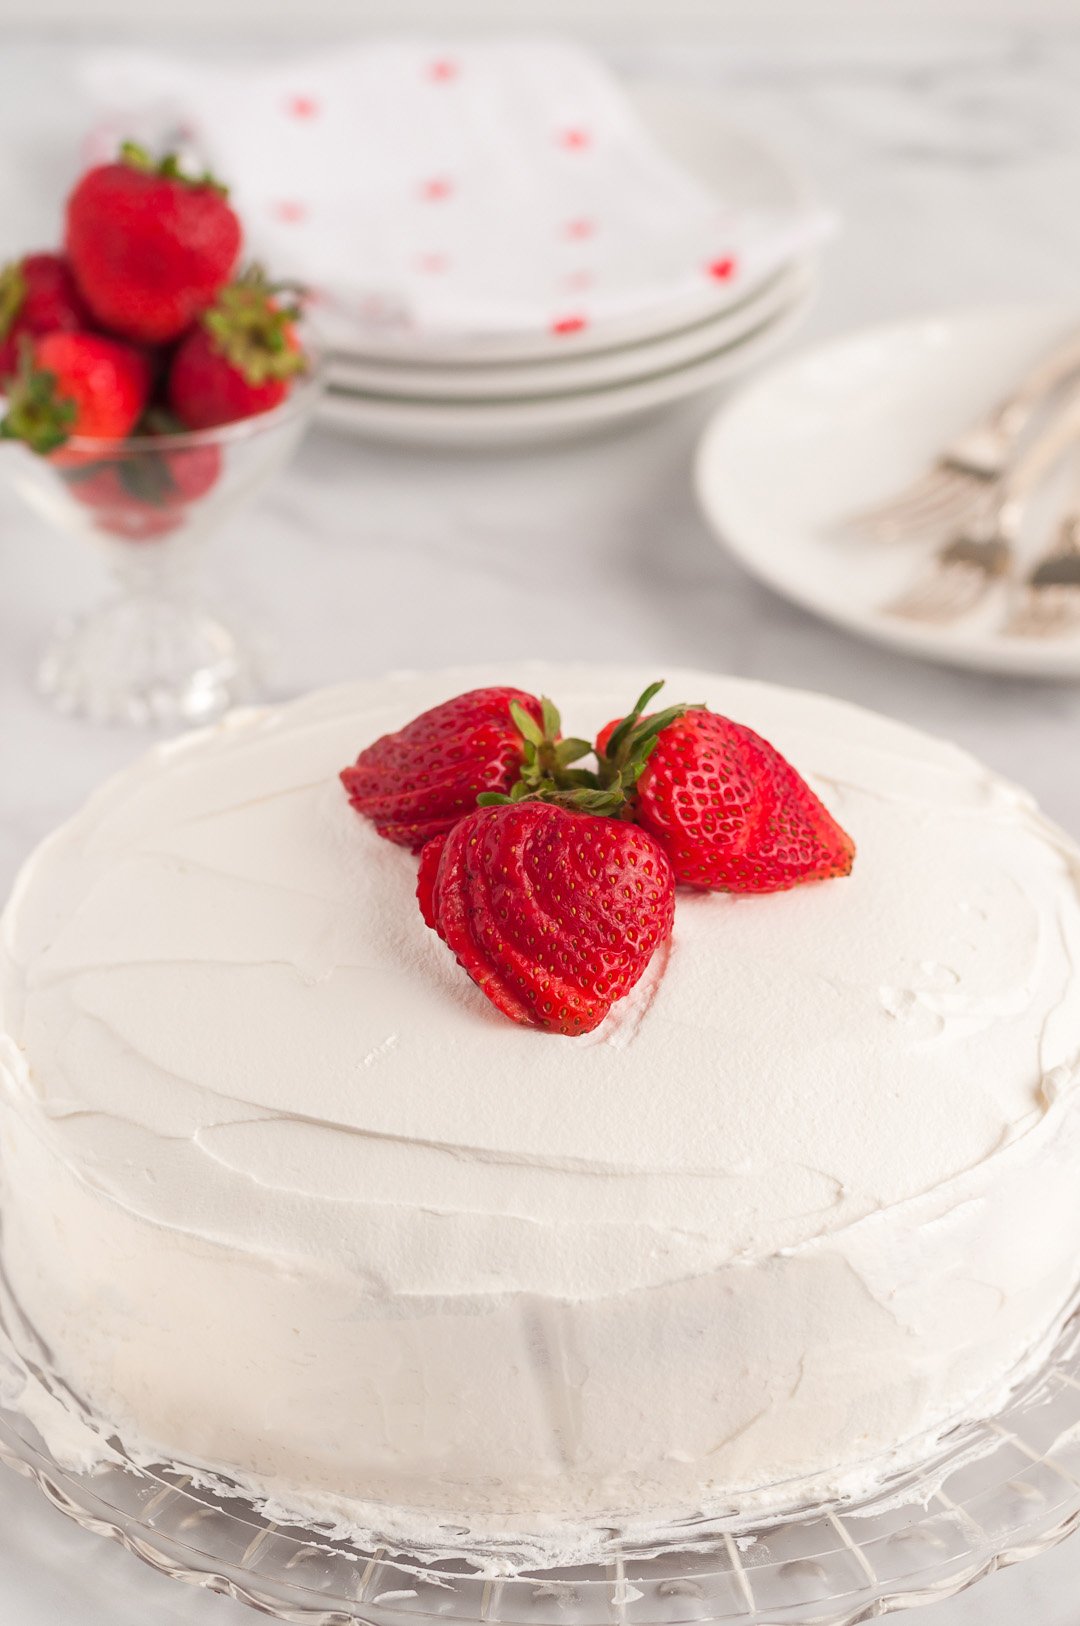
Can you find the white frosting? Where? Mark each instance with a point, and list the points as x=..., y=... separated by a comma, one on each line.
x=287, y=1196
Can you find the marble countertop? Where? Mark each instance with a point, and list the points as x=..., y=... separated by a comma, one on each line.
x=955, y=163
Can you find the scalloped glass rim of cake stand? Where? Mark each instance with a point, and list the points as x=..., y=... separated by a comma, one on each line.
x=999, y=1492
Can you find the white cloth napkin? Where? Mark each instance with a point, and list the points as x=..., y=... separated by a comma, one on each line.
x=483, y=189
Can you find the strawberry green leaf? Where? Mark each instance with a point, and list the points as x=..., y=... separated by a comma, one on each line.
x=649, y=694
x=253, y=332
x=159, y=420
x=169, y=168
x=37, y=413
x=630, y=721
x=653, y=727
x=604, y=802
x=551, y=719
x=148, y=478
x=12, y=294
x=568, y=751
x=528, y=727
x=78, y=472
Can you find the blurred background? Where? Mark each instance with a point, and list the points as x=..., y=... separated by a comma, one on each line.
x=620, y=17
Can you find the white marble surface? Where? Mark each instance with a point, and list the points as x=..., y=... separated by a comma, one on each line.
x=955, y=162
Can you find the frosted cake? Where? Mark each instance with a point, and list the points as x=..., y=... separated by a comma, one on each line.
x=287, y=1199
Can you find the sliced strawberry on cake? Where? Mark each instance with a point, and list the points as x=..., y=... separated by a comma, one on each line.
x=731, y=813
x=418, y=782
x=554, y=914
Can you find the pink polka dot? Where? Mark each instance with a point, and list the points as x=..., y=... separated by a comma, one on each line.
x=578, y=280
x=443, y=70
x=302, y=107
x=432, y=264
x=724, y=269
x=575, y=138
x=568, y=324
x=437, y=189
x=578, y=230
x=290, y=210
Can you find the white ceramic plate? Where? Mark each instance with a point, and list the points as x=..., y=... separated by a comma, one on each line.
x=849, y=423
x=483, y=423
x=558, y=376
x=732, y=162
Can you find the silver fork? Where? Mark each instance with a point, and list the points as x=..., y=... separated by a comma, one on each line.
x=967, y=566
x=962, y=573
x=1050, y=597
x=953, y=488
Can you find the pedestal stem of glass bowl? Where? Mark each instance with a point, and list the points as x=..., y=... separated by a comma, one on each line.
x=154, y=651
x=157, y=650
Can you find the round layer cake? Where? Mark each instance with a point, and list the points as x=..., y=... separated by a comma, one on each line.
x=286, y=1198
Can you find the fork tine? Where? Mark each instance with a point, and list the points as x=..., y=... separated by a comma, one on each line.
x=1069, y=620
x=951, y=511
x=1026, y=622
x=925, y=603
x=925, y=595
x=1049, y=601
x=893, y=510
x=1045, y=613
x=915, y=521
x=946, y=594
x=930, y=501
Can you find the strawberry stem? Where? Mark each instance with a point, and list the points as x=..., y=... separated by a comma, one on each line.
x=623, y=760
x=253, y=332
x=37, y=413
x=608, y=790
x=168, y=167
x=546, y=759
x=626, y=727
x=12, y=295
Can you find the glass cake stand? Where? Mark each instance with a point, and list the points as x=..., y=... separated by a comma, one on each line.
x=997, y=1492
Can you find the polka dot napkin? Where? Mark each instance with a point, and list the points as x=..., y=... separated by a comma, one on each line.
x=490, y=188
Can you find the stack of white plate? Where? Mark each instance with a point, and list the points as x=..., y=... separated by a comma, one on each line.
x=512, y=390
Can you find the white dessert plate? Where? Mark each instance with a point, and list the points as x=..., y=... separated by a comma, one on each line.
x=732, y=162
x=848, y=423
x=555, y=376
x=484, y=422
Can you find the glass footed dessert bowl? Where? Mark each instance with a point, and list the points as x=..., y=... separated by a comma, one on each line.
x=155, y=650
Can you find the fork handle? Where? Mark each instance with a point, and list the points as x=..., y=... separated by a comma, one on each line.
x=1011, y=416
x=986, y=447
x=1040, y=457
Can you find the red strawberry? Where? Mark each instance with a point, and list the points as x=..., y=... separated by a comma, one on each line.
x=193, y=471
x=37, y=295
x=117, y=511
x=149, y=246
x=419, y=782
x=729, y=811
x=75, y=384
x=145, y=494
x=239, y=360
x=176, y=474
x=553, y=913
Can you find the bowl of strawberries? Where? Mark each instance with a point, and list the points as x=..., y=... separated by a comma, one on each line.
x=151, y=385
